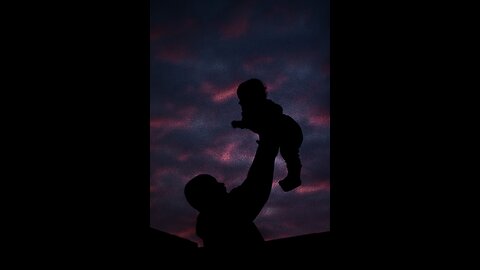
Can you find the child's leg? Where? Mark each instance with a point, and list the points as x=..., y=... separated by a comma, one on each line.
x=291, y=157
x=291, y=140
x=294, y=166
x=290, y=153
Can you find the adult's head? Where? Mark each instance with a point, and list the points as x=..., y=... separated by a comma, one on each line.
x=204, y=192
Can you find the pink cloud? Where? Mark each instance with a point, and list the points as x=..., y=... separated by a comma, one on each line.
x=184, y=157
x=321, y=186
x=157, y=185
x=220, y=94
x=238, y=24
x=226, y=154
x=175, y=54
x=277, y=83
x=188, y=233
x=207, y=87
x=180, y=119
x=225, y=95
x=233, y=148
x=161, y=172
x=169, y=123
x=319, y=120
x=235, y=28
x=270, y=211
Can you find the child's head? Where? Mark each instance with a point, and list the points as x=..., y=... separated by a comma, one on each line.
x=252, y=90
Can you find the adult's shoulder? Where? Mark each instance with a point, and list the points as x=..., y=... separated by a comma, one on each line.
x=238, y=196
x=235, y=192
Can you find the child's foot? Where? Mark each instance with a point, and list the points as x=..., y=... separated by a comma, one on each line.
x=290, y=183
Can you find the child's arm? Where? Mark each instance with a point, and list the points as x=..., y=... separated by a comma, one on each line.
x=249, y=119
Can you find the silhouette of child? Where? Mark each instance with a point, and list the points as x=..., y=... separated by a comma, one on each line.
x=263, y=116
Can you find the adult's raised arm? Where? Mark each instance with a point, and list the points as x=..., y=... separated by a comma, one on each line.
x=249, y=198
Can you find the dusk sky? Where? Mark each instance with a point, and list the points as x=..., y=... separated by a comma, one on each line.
x=200, y=51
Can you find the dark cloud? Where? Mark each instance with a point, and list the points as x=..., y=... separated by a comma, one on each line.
x=200, y=52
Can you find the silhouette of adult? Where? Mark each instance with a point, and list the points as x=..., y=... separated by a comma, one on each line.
x=225, y=220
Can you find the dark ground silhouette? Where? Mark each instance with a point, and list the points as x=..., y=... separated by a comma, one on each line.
x=313, y=248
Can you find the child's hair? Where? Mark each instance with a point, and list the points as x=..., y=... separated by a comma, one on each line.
x=252, y=89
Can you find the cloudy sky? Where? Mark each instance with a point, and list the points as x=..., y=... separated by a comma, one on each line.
x=200, y=51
